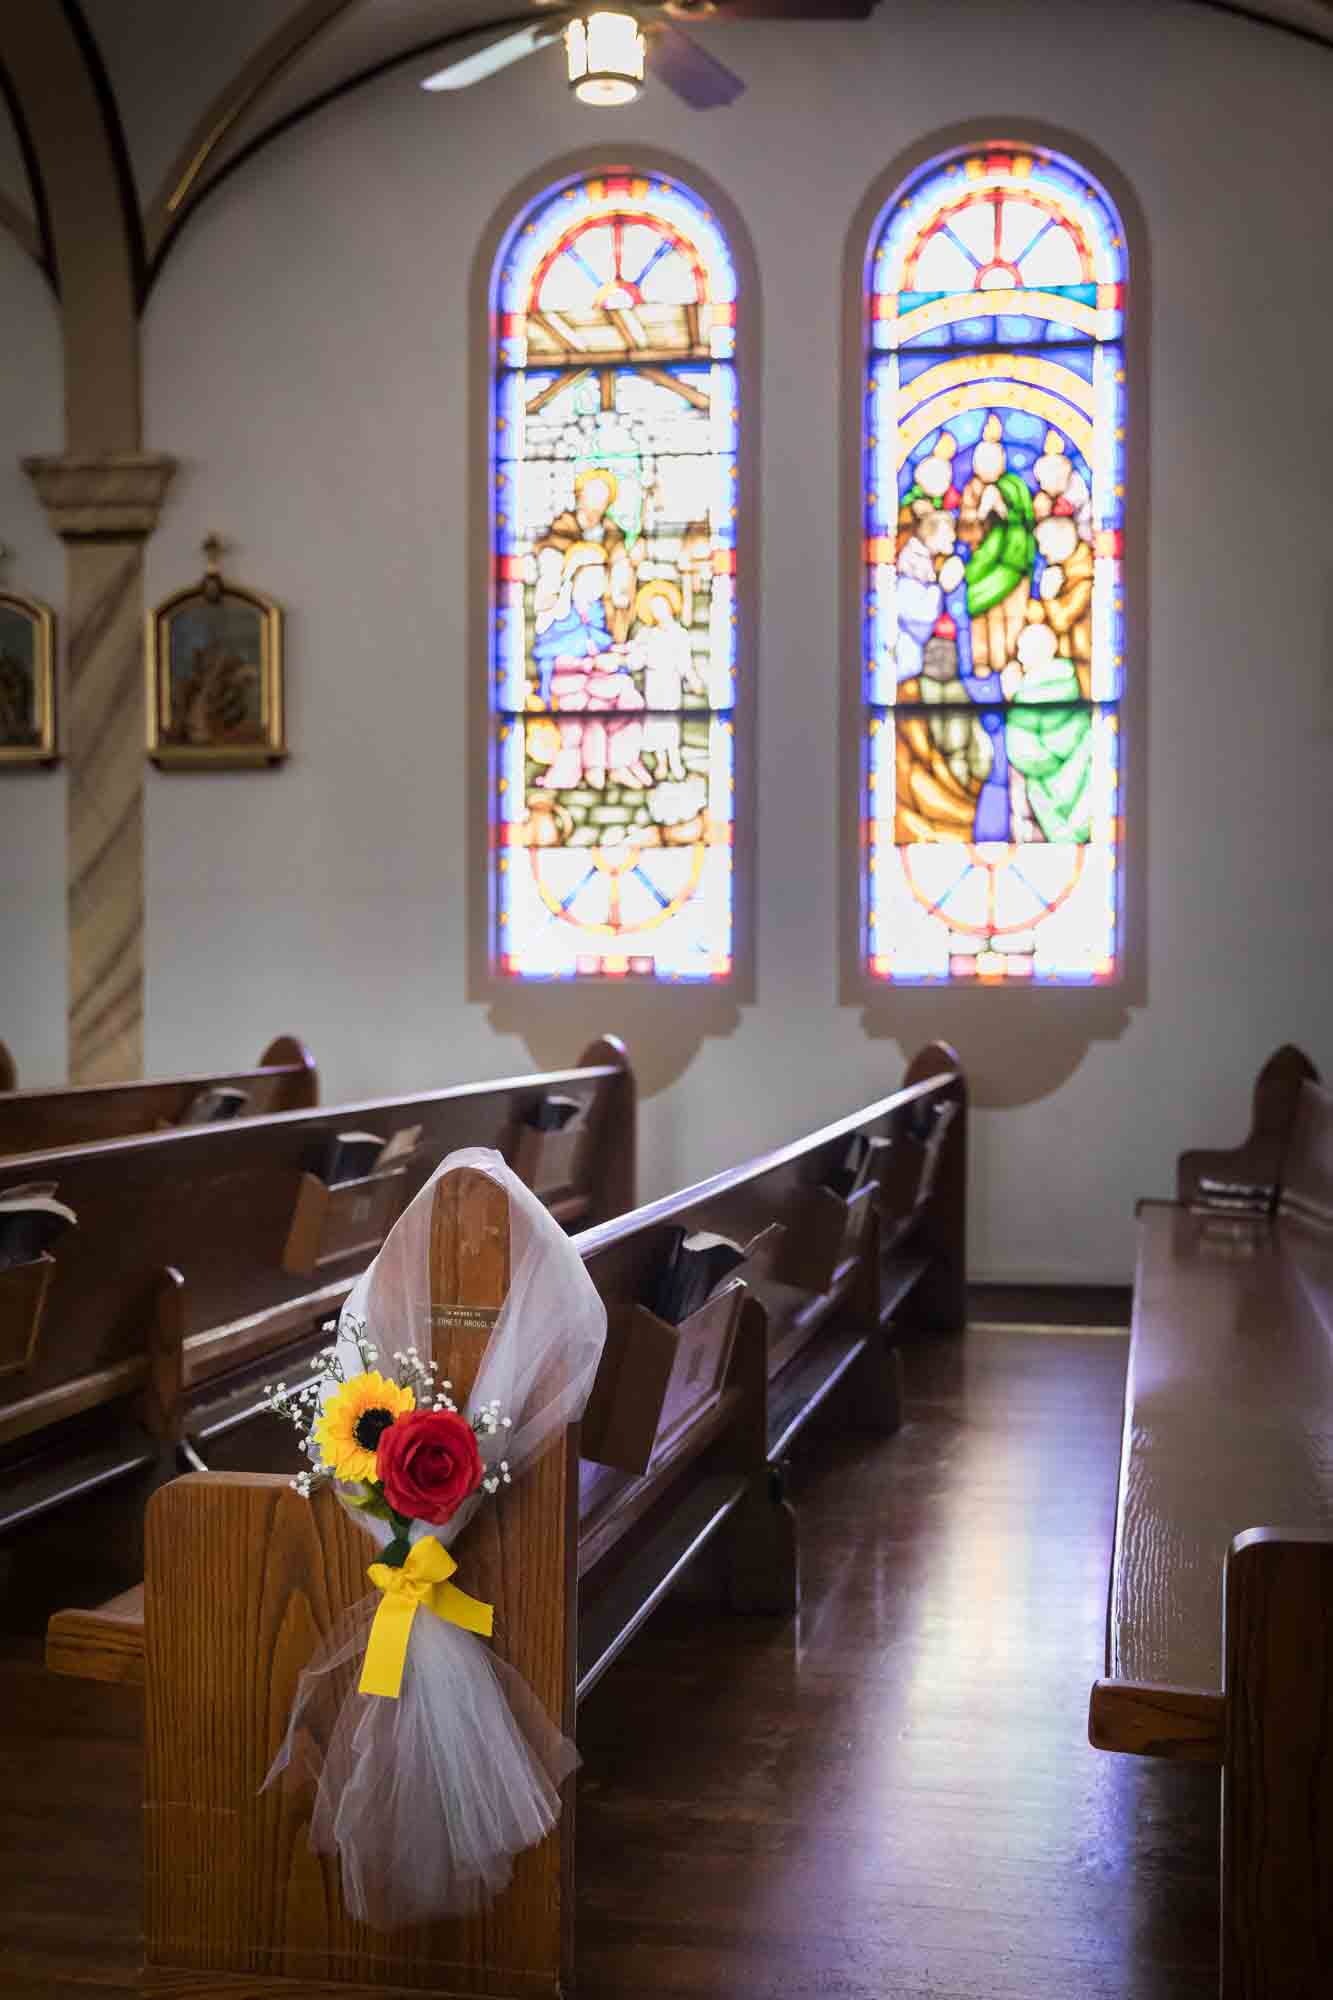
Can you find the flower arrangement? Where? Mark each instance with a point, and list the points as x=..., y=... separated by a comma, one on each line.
x=395, y=1444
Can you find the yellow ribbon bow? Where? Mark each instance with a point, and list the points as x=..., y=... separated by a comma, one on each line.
x=423, y=1581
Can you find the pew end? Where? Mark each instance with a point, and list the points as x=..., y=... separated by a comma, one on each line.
x=1250, y=1174
x=243, y=1579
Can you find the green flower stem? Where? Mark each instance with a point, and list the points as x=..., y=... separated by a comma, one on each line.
x=397, y=1551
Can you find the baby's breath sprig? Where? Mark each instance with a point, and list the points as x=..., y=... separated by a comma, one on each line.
x=300, y=1405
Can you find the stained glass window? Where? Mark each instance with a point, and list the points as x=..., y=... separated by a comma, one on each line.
x=613, y=648
x=994, y=615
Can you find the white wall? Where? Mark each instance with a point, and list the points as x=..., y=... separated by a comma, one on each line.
x=32, y=798
x=307, y=357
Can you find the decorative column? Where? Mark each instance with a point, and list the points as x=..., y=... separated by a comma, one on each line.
x=104, y=505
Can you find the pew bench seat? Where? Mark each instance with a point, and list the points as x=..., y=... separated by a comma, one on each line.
x=1220, y=1626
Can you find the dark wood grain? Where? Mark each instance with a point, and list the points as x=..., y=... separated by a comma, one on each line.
x=1277, y=1782
x=285, y=1079
x=1228, y=1426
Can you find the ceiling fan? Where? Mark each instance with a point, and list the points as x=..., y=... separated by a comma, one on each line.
x=611, y=71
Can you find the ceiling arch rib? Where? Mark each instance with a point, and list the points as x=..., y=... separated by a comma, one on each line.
x=193, y=165
x=356, y=43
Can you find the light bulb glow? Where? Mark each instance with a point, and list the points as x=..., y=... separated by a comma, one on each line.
x=605, y=54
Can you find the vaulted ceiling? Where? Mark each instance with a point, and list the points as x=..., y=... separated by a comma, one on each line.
x=194, y=91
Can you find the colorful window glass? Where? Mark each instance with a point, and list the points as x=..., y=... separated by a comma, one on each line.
x=994, y=615
x=613, y=650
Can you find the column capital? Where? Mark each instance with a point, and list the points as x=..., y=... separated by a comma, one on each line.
x=108, y=496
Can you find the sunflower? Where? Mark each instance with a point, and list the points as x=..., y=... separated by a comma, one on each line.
x=355, y=1419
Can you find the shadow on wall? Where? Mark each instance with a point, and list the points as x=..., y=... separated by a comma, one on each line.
x=663, y=1027
x=1018, y=1046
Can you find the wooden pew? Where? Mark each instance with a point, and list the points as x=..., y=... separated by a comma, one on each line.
x=9, y=1076
x=285, y=1079
x=196, y=1271
x=243, y=1579
x=1250, y=1176
x=833, y=1280
x=1220, y=1626
x=713, y=1407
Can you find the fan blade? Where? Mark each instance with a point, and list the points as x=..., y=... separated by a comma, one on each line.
x=496, y=56
x=683, y=66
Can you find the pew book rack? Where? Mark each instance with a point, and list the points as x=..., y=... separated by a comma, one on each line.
x=172, y=1303
x=284, y=1079
x=1220, y=1625
x=709, y=1495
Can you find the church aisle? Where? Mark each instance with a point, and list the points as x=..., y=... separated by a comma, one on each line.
x=895, y=1799
x=890, y=1799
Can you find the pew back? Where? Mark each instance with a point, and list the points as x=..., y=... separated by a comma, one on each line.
x=219, y=1203
x=285, y=1079
x=1222, y=1573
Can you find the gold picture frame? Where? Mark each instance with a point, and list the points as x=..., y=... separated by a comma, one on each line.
x=27, y=680
x=215, y=693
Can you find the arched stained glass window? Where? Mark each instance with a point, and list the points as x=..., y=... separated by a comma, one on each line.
x=613, y=652
x=994, y=480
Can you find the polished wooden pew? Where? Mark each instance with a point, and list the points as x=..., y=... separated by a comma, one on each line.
x=1220, y=1627
x=685, y=1437
x=243, y=1580
x=1250, y=1176
x=207, y=1259
x=285, y=1079
x=833, y=1281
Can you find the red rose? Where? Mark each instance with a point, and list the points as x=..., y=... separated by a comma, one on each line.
x=428, y=1463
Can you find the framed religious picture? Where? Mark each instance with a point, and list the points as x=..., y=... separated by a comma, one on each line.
x=215, y=675
x=27, y=681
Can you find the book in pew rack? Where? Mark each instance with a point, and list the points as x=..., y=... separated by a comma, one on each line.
x=31, y=1222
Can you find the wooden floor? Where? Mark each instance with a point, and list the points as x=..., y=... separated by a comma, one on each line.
x=890, y=1798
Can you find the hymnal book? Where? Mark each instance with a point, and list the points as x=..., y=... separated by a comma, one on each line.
x=211, y=1107
x=31, y=1221
x=694, y=1266
x=552, y=1113
x=345, y=1156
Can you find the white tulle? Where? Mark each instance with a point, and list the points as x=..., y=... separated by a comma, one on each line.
x=426, y=1799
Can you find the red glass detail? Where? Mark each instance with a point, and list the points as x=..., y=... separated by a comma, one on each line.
x=945, y=627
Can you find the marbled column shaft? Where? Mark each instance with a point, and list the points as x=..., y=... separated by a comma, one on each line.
x=104, y=505
x=104, y=750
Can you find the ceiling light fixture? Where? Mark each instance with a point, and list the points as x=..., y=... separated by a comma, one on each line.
x=605, y=55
